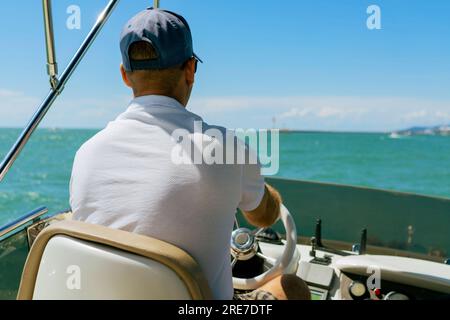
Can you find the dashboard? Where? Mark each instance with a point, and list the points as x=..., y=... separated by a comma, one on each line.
x=349, y=276
x=357, y=287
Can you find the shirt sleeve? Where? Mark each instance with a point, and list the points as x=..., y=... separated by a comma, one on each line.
x=252, y=184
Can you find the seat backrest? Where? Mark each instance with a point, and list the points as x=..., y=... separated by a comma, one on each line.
x=75, y=260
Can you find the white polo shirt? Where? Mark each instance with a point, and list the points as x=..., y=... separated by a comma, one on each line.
x=126, y=178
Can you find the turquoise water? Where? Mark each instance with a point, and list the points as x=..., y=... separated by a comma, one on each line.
x=419, y=164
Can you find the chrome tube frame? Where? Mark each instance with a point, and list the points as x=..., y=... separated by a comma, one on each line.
x=52, y=66
x=30, y=217
x=51, y=97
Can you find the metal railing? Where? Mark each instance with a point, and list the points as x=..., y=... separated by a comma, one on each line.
x=52, y=66
x=59, y=85
x=30, y=217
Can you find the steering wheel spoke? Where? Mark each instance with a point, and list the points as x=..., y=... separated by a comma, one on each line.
x=244, y=245
x=233, y=263
x=256, y=232
x=236, y=223
x=270, y=260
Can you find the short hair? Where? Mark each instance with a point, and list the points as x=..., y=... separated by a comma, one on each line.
x=142, y=50
x=165, y=79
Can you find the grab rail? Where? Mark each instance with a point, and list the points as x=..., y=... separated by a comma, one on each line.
x=52, y=66
x=29, y=217
x=54, y=92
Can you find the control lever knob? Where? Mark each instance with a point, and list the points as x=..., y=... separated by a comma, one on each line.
x=358, y=290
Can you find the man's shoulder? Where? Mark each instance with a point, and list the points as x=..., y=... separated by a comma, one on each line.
x=210, y=128
x=97, y=140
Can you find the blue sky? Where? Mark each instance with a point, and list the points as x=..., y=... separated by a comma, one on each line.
x=311, y=64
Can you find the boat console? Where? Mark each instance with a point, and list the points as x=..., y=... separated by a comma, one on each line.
x=334, y=274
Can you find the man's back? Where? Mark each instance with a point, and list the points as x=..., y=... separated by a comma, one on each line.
x=153, y=171
x=126, y=178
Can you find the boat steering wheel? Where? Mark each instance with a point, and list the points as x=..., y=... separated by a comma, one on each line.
x=244, y=246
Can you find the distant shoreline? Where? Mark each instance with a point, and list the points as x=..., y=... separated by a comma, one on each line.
x=405, y=132
x=281, y=130
x=329, y=131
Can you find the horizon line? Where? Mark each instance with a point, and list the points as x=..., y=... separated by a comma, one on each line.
x=282, y=130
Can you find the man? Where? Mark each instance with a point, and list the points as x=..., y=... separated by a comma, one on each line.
x=126, y=177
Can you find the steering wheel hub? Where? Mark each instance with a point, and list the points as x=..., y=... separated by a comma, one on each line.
x=243, y=244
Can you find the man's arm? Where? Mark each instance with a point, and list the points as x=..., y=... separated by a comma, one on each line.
x=268, y=211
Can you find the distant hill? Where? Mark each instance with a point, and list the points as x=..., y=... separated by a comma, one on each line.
x=424, y=131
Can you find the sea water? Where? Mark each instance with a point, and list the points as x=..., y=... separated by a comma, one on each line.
x=419, y=164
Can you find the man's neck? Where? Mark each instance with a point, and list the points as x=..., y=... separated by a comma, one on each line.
x=159, y=93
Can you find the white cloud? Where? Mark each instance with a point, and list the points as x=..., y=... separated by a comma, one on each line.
x=428, y=117
x=320, y=112
x=8, y=93
x=86, y=112
x=415, y=115
x=443, y=115
x=16, y=109
x=301, y=112
x=295, y=112
x=336, y=112
x=325, y=113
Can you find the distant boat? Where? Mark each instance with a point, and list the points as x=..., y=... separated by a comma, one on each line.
x=395, y=135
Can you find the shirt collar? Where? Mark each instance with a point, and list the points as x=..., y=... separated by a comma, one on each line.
x=156, y=100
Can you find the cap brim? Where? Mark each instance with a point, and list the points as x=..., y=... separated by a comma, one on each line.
x=198, y=58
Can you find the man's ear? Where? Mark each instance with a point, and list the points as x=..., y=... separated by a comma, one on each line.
x=189, y=72
x=125, y=78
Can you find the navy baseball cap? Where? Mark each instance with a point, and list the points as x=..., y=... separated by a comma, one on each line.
x=167, y=32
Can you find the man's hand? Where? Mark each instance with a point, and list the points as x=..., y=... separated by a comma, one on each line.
x=268, y=211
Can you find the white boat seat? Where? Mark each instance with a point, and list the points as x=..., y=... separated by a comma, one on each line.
x=73, y=260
